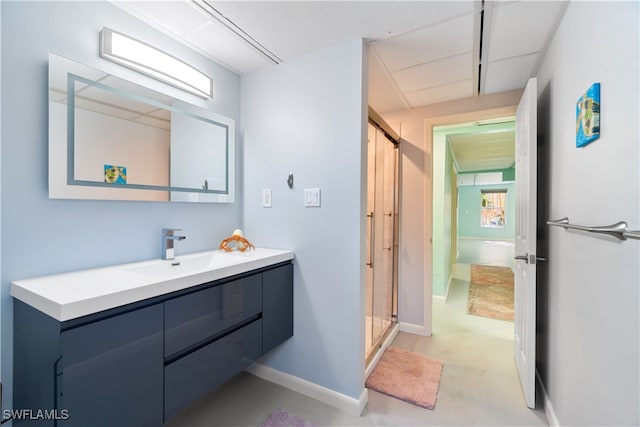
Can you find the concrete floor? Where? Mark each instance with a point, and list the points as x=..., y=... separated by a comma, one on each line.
x=479, y=383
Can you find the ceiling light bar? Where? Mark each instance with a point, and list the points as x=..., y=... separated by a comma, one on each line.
x=153, y=62
x=214, y=13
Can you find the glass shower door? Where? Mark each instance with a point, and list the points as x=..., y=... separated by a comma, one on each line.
x=381, y=237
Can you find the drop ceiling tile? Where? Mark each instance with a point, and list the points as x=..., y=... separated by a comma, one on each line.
x=519, y=28
x=410, y=36
x=154, y=122
x=106, y=109
x=384, y=95
x=178, y=17
x=132, y=88
x=319, y=24
x=509, y=74
x=437, y=73
x=457, y=90
x=161, y=113
x=113, y=99
x=226, y=47
x=442, y=40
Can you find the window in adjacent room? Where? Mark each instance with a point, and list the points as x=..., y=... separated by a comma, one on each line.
x=493, y=211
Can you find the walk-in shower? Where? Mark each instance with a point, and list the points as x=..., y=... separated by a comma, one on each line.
x=382, y=234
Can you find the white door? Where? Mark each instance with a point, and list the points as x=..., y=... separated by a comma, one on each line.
x=525, y=242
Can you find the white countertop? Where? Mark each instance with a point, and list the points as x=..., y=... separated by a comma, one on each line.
x=70, y=295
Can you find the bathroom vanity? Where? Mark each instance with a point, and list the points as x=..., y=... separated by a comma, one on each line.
x=135, y=344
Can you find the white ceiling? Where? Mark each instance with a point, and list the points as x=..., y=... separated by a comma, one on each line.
x=421, y=52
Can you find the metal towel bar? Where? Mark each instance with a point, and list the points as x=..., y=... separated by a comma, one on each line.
x=618, y=230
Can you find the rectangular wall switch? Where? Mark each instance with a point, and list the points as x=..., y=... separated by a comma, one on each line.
x=311, y=197
x=266, y=198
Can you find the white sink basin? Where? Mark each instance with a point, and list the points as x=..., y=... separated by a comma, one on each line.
x=185, y=266
x=70, y=295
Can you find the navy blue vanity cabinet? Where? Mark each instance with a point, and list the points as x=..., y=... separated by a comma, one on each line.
x=142, y=363
x=110, y=372
x=200, y=372
x=277, y=306
x=36, y=349
x=210, y=335
x=192, y=319
x=99, y=370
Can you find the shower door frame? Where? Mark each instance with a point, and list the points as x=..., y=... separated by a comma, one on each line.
x=381, y=127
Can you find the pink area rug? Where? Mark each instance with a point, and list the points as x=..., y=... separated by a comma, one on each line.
x=408, y=376
x=281, y=418
x=491, y=292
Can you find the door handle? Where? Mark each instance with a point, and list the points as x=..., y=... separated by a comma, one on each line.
x=524, y=258
x=371, y=236
x=533, y=259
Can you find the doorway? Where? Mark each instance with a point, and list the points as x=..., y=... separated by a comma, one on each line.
x=473, y=191
x=442, y=212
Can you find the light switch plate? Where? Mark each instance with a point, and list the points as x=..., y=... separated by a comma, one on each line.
x=266, y=198
x=312, y=197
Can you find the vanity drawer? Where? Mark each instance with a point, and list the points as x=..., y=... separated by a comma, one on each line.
x=195, y=317
x=198, y=373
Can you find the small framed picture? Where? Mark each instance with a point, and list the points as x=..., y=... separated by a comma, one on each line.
x=115, y=174
x=588, y=116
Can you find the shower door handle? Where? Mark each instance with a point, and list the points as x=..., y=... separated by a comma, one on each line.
x=390, y=215
x=371, y=233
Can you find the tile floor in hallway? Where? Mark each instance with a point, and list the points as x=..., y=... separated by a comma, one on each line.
x=479, y=384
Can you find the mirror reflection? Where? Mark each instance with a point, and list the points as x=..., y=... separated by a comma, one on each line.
x=112, y=139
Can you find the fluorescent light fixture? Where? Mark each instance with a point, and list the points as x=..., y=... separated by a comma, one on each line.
x=153, y=62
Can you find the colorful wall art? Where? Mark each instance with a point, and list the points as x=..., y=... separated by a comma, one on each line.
x=588, y=116
x=115, y=174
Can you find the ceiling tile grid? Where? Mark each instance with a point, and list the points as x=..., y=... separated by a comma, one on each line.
x=519, y=28
x=436, y=73
x=442, y=40
x=434, y=95
x=422, y=52
x=509, y=73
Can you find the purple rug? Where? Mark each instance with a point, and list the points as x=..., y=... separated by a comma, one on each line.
x=281, y=418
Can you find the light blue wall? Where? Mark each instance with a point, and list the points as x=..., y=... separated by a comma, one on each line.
x=442, y=168
x=42, y=236
x=308, y=116
x=469, y=212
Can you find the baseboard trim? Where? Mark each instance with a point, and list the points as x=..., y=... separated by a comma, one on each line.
x=348, y=404
x=443, y=299
x=462, y=271
x=412, y=328
x=548, y=407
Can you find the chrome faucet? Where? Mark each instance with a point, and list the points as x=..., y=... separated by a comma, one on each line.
x=167, y=241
